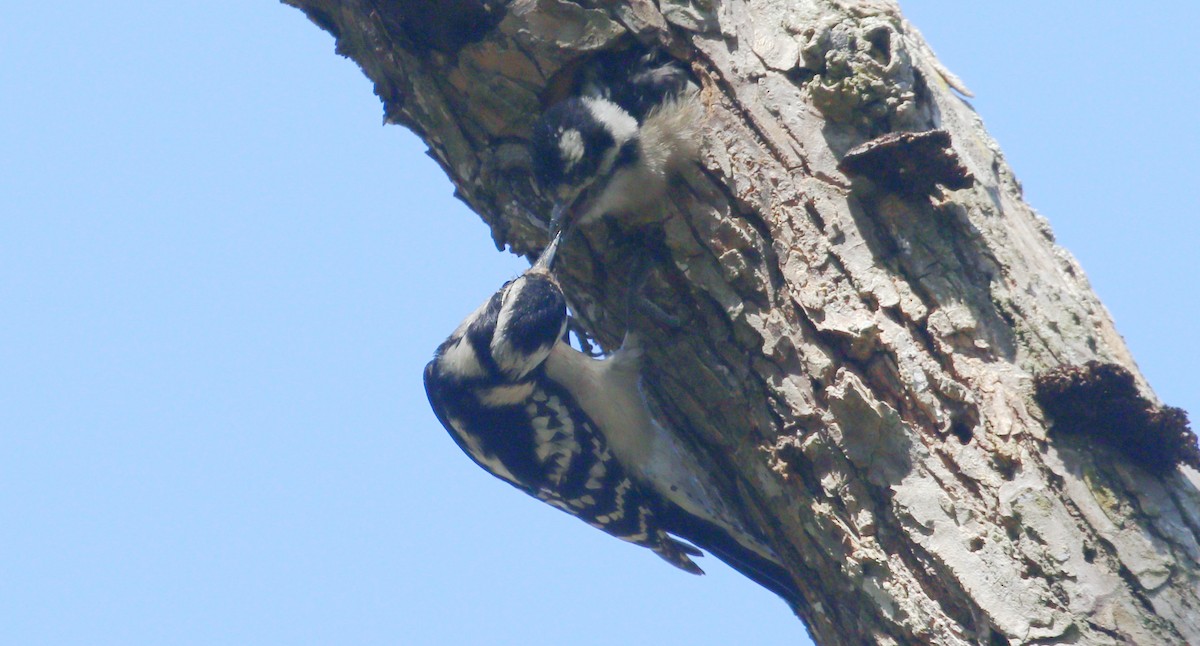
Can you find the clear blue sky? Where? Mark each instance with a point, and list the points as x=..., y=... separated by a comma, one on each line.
x=214, y=319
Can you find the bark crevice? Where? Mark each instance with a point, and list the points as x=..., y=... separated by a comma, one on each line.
x=856, y=362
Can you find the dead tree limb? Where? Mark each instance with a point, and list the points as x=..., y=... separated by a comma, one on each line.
x=864, y=302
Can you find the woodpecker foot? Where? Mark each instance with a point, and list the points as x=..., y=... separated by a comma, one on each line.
x=583, y=339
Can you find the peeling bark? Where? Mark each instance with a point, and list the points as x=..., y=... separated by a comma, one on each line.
x=855, y=360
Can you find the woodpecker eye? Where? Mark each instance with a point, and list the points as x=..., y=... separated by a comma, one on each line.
x=610, y=148
x=568, y=145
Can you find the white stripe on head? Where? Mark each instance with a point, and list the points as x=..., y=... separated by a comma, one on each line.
x=618, y=122
x=513, y=363
x=461, y=360
x=570, y=146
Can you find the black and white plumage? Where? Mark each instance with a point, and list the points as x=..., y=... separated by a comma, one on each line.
x=637, y=80
x=612, y=146
x=575, y=432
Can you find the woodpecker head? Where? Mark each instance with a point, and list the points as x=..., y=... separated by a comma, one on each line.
x=636, y=79
x=530, y=316
x=578, y=145
x=513, y=332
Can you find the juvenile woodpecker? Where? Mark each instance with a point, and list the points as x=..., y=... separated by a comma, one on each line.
x=575, y=432
x=612, y=146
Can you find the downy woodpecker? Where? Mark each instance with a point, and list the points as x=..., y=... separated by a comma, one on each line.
x=576, y=433
x=612, y=146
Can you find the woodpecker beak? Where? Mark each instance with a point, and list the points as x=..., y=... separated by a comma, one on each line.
x=559, y=226
x=567, y=202
x=545, y=260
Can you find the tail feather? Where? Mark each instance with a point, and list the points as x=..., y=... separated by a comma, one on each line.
x=677, y=553
x=766, y=572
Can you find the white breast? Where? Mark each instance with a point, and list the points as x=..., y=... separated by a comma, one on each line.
x=609, y=392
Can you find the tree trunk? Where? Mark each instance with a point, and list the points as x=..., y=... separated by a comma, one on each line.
x=856, y=352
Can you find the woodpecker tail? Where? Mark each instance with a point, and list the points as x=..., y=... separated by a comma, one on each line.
x=764, y=571
x=677, y=553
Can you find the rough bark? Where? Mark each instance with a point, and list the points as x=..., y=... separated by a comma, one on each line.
x=855, y=359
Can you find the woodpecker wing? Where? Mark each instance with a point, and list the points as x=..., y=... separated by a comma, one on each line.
x=532, y=435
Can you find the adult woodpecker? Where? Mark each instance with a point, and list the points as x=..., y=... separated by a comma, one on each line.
x=576, y=432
